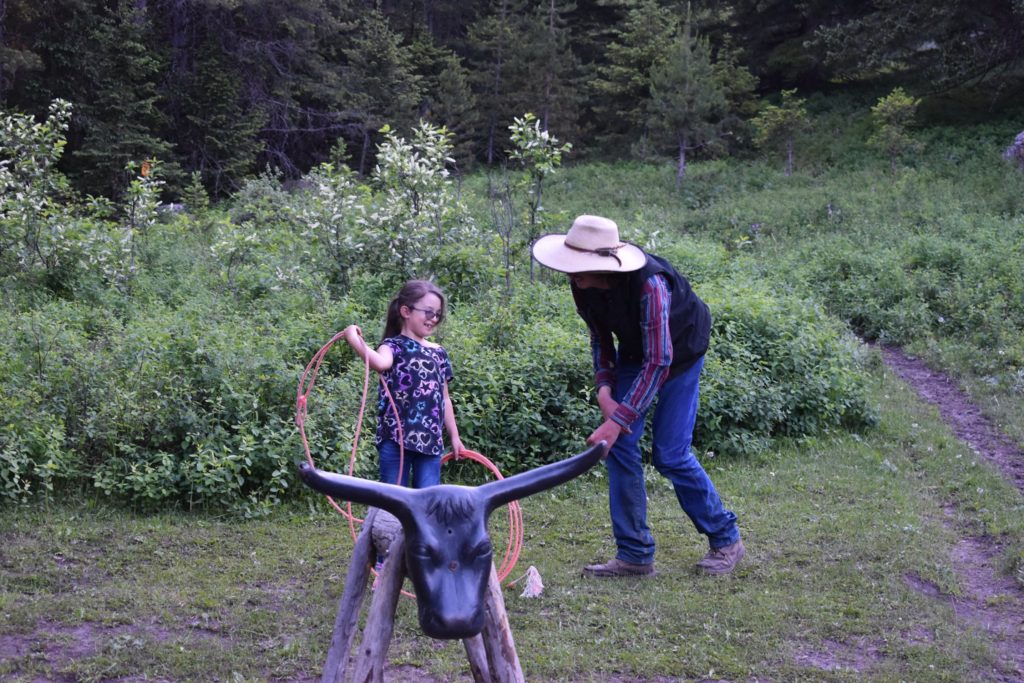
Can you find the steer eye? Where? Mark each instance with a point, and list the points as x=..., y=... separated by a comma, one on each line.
x=424, y=551
x=482, y=548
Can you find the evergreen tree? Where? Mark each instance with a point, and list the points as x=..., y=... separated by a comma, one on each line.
x=218, y=134
x=935, y=45
x=290, y=55
x=892, y=116
x=381, y=78
x=774, y=38
x=492, y=42
x=688, y=104
x=550, y=75
x=623, y=85
x=119, y=117
x=447, y=99
x=778, y=126
x=16, y=57
x=210, y=95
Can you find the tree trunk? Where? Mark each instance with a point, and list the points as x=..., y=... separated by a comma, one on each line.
x=366, y=152
x=681, y=168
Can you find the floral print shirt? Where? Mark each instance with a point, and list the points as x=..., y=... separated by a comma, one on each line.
x=416, y=381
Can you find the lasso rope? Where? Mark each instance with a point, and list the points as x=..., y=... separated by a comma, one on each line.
x=306, y=382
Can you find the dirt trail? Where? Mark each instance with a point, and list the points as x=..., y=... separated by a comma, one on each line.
x=991, y=600
x=960, y=413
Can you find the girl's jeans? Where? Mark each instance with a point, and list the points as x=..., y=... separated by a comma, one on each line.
x=675, y=413
x=426, y=469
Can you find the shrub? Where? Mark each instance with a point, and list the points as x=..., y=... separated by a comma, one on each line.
x=777, y=366
x=179, y=389
x=522, y=379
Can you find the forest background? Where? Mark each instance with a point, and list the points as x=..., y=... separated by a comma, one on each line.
x=225, y=89
x=197, y=194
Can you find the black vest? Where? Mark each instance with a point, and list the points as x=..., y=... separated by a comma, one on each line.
x=618, y=311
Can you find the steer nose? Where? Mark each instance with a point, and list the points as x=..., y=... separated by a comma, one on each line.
x=466, y=624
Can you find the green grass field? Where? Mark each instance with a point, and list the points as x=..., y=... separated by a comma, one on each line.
x=842, y=533
x=177, y=393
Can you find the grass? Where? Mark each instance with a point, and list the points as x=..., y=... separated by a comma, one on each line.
x=839, y=530
x=941, y=239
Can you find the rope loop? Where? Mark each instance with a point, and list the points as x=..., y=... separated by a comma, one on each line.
x=305, y=388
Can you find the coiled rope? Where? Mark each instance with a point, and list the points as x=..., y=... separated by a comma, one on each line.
x=305, y=388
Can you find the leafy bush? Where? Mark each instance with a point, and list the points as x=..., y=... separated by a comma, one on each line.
x=522, y=379
x=165, y=373
x=777, y=366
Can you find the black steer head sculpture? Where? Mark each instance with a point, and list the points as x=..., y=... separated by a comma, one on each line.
x=447, y=547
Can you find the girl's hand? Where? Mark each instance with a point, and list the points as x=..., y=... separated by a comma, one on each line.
x=354, y=336
x=457, y=448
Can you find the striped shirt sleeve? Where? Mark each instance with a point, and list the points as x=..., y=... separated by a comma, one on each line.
x=655, y=301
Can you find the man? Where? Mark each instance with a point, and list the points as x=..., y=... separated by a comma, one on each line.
x=649, y=332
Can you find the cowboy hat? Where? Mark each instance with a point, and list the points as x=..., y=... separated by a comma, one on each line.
x=591, y=246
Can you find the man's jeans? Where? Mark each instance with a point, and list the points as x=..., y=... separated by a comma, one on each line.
x=426, y=469
x=675, y=413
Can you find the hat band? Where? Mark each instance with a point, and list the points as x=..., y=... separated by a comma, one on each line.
x=603, y=251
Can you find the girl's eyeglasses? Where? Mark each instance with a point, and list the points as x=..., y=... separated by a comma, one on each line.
x=429, y=313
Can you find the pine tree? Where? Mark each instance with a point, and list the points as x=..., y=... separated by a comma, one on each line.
x=218, y=134
x=491, y=42
x=549, y=76
x=936, y=45
x=892, y=116
x=119, y=115
x=688, y=101
x=623, y=84
x=778, y=126
x=447, y=99
x=382, y=81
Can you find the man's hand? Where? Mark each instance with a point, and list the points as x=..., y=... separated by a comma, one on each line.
x=608, y=432
x=605, y=401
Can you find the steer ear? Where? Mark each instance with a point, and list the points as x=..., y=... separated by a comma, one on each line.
x=394, y=499
x=497, y=493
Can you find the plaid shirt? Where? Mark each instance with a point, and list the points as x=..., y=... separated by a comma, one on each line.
x=655, y=303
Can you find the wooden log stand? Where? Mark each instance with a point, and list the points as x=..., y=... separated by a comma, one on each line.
x=492, y=653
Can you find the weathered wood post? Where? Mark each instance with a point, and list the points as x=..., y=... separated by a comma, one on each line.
x=445, y=548
x=351, y=600
x=492, y=653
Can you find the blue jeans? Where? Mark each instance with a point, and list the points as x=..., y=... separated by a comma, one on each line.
x=675, y=413
x=426, y=469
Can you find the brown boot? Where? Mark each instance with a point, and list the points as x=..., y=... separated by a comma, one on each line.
x=722, y=560
x=617, y=567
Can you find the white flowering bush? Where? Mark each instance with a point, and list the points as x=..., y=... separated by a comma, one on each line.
x=35, y=223
x=114, y=248
x=332, y=219
x=416, y=210
x=538, y=154
x=258, y=247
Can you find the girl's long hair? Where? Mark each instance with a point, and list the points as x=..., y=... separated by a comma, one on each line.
x=411, y=292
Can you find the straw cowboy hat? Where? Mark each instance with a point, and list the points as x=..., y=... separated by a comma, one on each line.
x=591, y=246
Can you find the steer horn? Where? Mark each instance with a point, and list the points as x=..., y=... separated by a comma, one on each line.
x=448, y=553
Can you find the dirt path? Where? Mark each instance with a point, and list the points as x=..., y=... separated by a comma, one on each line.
x=991, y=600
x=960, y=413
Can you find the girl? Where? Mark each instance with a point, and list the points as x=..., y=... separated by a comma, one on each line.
x=417, y=373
